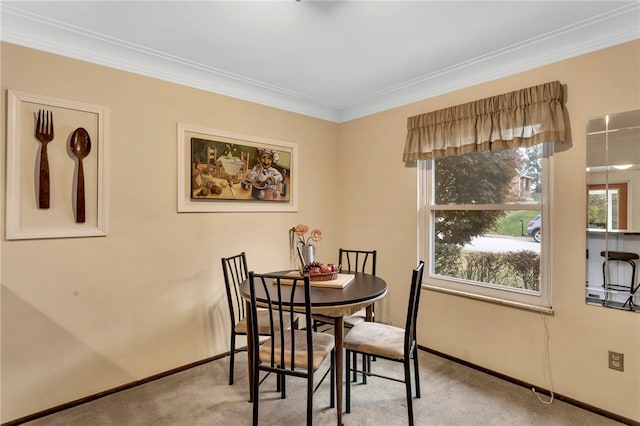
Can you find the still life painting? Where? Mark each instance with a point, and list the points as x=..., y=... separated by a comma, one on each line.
x=232, y=172
x=227, y=171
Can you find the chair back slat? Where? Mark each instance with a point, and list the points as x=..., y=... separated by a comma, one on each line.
x=412, y=310
x=358, y=260
x=235, y=272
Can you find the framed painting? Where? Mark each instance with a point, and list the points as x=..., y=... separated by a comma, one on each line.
x=220, y=171
x=56, y=167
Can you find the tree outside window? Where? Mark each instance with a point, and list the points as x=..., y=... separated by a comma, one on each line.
x=479, y=213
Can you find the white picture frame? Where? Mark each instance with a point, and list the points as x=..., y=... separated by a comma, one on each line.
x=24, y=218
x=235, y=195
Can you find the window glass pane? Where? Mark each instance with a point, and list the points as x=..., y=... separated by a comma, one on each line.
x=599, y=215
x=496, y=247
x=597, y=209
x=499, y=177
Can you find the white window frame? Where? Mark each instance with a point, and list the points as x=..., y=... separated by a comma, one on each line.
x=609, y=193
x=525, y=299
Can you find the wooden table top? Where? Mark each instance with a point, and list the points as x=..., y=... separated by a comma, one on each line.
x=364, y=288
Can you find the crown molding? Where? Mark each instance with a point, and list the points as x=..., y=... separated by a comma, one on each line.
x=588, y=36
x=33, y=31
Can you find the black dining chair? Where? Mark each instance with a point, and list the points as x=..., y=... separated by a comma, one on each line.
x=298, y=352
x=390, y=343
x=354, y=261
x=235, y=272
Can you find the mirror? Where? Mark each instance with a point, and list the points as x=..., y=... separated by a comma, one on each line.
x=613, y=211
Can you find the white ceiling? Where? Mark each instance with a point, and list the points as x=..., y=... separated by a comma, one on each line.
x=332, y=60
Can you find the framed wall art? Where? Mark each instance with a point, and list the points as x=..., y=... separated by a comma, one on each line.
x=220, y=171
x=56, y=177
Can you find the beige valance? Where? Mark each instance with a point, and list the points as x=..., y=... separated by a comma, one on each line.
x=521, y=118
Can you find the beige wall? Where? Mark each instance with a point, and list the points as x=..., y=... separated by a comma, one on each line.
x=507, y=340
x=83, y=315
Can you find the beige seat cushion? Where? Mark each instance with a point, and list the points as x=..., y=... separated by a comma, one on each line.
x=349, y=321
x=263, y=323
x=357, y=318
x=323, y=344
x=376, y=339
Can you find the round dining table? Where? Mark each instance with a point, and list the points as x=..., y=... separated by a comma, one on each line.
x=336, y=303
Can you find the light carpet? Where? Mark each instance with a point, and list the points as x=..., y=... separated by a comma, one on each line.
x=452, y=394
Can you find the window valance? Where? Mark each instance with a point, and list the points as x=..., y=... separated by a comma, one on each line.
x=521, y=118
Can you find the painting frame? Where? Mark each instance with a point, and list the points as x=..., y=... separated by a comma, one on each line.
x=205, y=184
x=24, y=218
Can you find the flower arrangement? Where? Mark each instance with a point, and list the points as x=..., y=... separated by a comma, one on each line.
x=298, y=237
x=298, y=233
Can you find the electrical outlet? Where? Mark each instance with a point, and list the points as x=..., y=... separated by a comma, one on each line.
x=616, y=361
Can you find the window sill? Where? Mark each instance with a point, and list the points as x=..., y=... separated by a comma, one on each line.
x=508, y=303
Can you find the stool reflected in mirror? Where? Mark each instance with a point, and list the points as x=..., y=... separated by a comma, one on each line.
x=629, y=258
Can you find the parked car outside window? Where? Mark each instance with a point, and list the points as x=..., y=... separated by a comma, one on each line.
x=534, y=229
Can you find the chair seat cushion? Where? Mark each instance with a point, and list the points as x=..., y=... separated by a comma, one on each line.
x=263, y=324
x=376, y=339
x=619, y=255
x=354, y=319
x=349, y=321
x=323, y=344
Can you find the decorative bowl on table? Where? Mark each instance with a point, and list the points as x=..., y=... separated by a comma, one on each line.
x=319, y=272
x=328, y=276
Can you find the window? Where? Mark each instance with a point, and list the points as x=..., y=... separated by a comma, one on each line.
x=478, y=217
x=485, y=167
x=607, y=204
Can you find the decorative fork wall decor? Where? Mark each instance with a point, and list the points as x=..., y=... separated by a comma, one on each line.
x=44, y=133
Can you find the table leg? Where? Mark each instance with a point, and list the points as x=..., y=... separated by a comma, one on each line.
x=249, y=349
x=367, y=359
x=338, y=324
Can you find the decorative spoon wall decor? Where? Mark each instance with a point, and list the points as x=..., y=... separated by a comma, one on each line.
x=80, y=146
